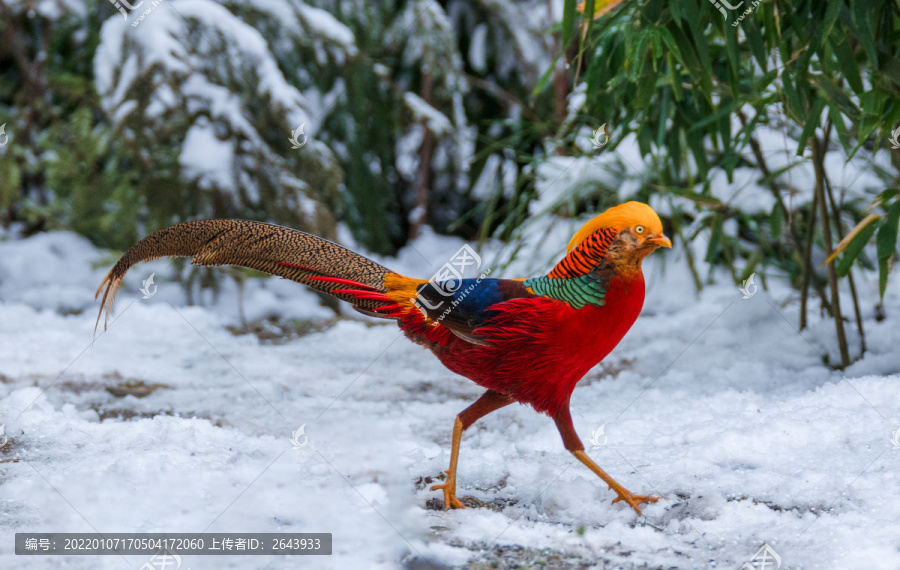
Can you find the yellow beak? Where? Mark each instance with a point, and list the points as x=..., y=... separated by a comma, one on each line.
x=660, y=240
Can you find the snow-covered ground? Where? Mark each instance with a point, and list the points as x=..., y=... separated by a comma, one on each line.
x=714, y=402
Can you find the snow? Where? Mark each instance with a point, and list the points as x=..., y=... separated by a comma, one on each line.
x=125, y=53
x=557, y=176
x=49, y=9
x=497, y=173
x=326, y=25
x=712, y=401
x=307, y=25
x=205, y=157
x=525, y=51
x=437, y=122
x=478, y=48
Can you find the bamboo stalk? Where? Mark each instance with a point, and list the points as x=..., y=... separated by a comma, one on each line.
x=818, y=158
x=807, y=261
x=839, y=227
x=676, y=225
x=805, y=246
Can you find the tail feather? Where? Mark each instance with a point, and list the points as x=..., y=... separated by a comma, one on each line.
x=289, y=253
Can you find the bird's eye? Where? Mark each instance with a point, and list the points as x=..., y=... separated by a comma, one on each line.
x=639, y=229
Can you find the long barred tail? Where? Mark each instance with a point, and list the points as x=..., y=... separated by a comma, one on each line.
x=289, y=253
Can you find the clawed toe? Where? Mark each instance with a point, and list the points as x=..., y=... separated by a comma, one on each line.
x=635, y=500
x=449, y=489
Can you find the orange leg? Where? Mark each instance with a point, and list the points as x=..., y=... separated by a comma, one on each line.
x=570, y=439
x=487, y=403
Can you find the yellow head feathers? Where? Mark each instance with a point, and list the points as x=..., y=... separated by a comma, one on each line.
x=620, y=217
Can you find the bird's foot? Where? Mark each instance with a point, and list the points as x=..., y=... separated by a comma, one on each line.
x=634, y=500
x=449, y=488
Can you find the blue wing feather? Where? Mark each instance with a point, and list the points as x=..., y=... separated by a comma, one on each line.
x=468, y=307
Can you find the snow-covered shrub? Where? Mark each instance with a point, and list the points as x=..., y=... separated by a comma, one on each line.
x=198, y=96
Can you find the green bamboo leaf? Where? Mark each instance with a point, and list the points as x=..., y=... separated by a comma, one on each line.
x=675, y=11
x=872, y=102
x=836, y=96
x=840, y=127
x=886, y=195
x=589, y=18
x=715, y=238
x=891, y=69
x=776, y=221
x=884, y=268
x=639, y=56
x=754, y=260
x=847, y=62
x=645, y=140
x=699, y=76
x=794, y=105
x=734, y=61
x=673, y=141
x=886, y=241
x=698, y=150
x=766, y=80
x=657, y=50
x=862, y=19
x=674, y=78
x=891, y=113
x=670, y=42
x=725, y=135
x=545, y=79
x=646, y=88
x=755, y=41
x=661, y=131
x=863, y=225
x=703, y=199
x=867, y=125
x=812, y=122
x=853, y=248
x=724, y=112
x=568, y=22
x=832, y=12
x=700, y=43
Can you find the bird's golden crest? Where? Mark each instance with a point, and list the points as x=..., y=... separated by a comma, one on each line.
x=620, y=217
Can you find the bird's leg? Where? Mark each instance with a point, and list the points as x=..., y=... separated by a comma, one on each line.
x=487, y=403
x=570, y=439
x=449, y=487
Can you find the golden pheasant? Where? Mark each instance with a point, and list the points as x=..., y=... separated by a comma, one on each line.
x=523, y=340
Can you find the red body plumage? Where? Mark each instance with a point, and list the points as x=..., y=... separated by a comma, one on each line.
x=540, y=347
